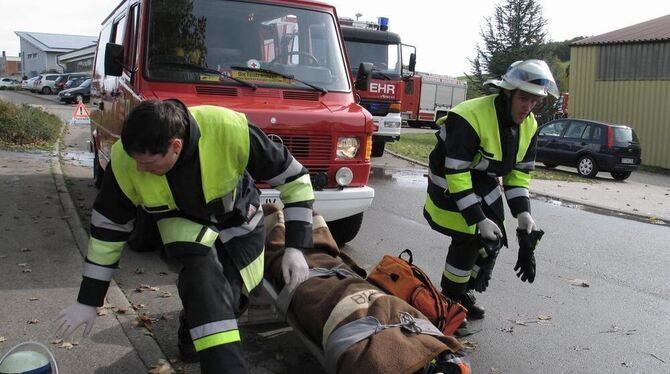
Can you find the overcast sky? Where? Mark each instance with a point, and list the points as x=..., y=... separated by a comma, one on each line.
x=445, y=33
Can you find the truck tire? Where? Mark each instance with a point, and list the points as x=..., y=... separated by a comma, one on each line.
x=378, y=149
x=344, y=230
x=98, y=171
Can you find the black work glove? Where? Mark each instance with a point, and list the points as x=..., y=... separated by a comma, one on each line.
x=485, y=262
x=525, y=264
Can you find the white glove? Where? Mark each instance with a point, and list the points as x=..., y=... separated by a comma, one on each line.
x=525, y=222
x=294, y=267
x=74, y=316
x=489, y=230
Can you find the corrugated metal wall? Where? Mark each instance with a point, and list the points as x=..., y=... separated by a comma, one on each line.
x=642, y=104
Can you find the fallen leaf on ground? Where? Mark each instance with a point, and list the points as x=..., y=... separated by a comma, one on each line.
x=146, y=287
x=543, y=317
x=2, y=339
x=26, y=270
x=66, y=345
x=57, y=341
x=33, y=299
x=579, y=283
x=165, y=294
x=121, y=310
x=26, y=249
x=627, y=364
x=162, y=367
x=145, y=321
x=575, y=348
x=101, y=312
x=138, y=306
x=139, y=271
x=469, y=344
x=24, y=264
x=163, y=273
x=33, y=321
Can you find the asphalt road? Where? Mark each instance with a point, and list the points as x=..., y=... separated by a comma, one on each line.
x=618, y=324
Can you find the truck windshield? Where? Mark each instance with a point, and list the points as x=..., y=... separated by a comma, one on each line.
x=384, y=57
x=192, y=40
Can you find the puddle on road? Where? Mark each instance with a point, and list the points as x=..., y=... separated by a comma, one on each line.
x=78, y=158
x=399, y=176
x=593, y=209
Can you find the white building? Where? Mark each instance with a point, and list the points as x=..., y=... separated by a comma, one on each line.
x=40, y=51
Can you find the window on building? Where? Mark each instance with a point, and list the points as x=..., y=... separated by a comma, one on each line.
x=634, y=61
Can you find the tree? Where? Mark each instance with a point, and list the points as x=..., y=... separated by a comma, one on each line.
x=514, y=32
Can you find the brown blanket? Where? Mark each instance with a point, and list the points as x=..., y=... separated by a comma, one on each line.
x=322, y=304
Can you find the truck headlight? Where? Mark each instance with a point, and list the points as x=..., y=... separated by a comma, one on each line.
x=393, y=124
x=344, y=176
x=347, y=148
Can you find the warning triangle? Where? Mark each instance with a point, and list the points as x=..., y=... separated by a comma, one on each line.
x=80, y=112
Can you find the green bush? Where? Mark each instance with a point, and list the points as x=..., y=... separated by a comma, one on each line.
x=22, y=125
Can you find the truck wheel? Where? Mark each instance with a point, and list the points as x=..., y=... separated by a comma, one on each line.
x=344, y=230
x=98, y=171
x=378, y=149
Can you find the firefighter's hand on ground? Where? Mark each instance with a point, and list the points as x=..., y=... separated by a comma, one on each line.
x=526, y=222
x=294, y=267
x=74, y=316
x=489, y=230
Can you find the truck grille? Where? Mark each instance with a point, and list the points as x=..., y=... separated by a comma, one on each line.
x=376, y=107
x=314, y=151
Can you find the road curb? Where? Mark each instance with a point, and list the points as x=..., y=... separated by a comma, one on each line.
x=140, y=338
x=594, y=207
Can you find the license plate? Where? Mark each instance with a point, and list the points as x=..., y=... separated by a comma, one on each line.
x=627, y=160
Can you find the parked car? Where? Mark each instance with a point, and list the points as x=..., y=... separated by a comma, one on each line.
x=29, y=84
x=590, y=146
x=59, y=84
x=79, y=93
x=75, y=82
x=46, y=84
x=8, y=83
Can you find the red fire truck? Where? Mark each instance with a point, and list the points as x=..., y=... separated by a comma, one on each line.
x=427, y=97
x=369, y=42
x=279, y=62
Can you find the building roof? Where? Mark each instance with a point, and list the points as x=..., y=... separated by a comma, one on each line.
x=56, y=42
x=655, y=30
x=78, y=54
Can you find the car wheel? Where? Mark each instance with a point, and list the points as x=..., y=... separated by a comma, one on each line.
x=46, y=90
x=586, y=167
x=621, y=175
x=550, y=166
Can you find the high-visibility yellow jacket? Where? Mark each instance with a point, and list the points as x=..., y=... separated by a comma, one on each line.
x=477, y=143
x=208, y=195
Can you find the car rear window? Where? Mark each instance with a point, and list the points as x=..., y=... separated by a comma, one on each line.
x=624, y=136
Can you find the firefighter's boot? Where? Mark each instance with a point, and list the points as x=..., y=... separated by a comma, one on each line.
x=187, y=351
x=475, y=311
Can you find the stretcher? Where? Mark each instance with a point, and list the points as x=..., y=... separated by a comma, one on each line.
x=349, y=325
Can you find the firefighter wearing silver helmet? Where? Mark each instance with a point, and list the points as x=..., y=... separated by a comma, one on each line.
x=479, y=141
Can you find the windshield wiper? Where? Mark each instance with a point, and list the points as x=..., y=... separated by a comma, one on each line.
x=209, y=70
x=291, y=77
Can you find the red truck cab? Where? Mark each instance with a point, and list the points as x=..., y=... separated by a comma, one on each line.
x=281, y=63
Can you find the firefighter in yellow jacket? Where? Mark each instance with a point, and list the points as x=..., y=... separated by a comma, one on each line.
x=479, y=141
x=193, y=170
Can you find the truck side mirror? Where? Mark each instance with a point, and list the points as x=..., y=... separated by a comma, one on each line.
x=412, y=63
x=113, y=59
x=364, y=76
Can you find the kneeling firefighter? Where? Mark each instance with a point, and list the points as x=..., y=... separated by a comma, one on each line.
x=193, y=170
x=478, y=141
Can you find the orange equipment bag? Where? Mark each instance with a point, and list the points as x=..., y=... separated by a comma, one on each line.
x=401, y=278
